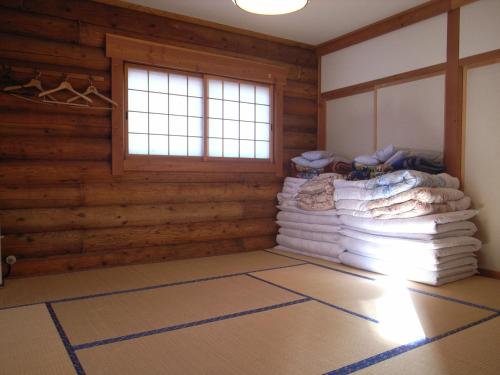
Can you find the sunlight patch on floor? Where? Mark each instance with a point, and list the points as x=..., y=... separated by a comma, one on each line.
x=399, y=321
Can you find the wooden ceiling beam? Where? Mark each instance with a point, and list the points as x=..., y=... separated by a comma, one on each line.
x=408, y=17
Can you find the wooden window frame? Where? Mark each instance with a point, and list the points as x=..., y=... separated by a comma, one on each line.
x=123, y=51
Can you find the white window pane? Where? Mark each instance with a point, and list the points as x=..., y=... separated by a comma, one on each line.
x=262, y=113
x=158, y=124
x=158, y=81
x=195, y=87
x=247, y=112
x=262, y=150
x=195, y=126
x=158, y=144
x=178, y=105
x=247, y=149
x=247, y=93
x=195, y=146
x=137, y=101
x=215, y=108
x=195, y=107
x=231, y=110
x=231, y=91
x=231, y=129
x=158, y=103
x=215, y=89
x=214, y=147
x=137, y=122
x=262, y=132
x=262, y=95
x=177, y=84
x=137, y=79
x=138, y=144
x=231, y=148
x=247, y=130
x=178, y=146
x=215, y=128
x=177, y=125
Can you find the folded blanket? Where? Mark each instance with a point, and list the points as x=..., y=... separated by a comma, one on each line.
x=391, y=184
x=341, y=167
x=408, y=272
x=437, y=223
x=295, y=181
x=404, y=244
x=313, y=247
x=314, y=236
x=427, y=259
x=325, y=257
x=317, y=194
x=418, y=164
x=410, y=209
x=408, y=255
x=463, y=232
x=316, y=202
x=310, y=219
x=366, y=172
x=309, y=227
x=291, y=206
x=285, y=197
x=422, y=194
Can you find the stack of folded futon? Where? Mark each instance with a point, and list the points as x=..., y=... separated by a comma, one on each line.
x=308, y=222
x=409, y=224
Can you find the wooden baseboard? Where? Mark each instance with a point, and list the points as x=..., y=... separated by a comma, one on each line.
x=489, y=273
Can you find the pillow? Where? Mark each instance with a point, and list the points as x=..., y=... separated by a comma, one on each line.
x=316, y=155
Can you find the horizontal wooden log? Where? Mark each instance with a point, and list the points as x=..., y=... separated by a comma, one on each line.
x=299, y=140
x=78, y=262
x=53, y=172
x=34, y=220
x=51, y=76
x=299, y=106
x=54, y=148
x=12, y=103
x=50, y=52
x=162, y=27
x=297, y=89
x=75, y=195
x=94, y=36
x=23, y=23
x=63, y=195
x=300, y=124
x=23, y=126
x=130, y=193
x=101, y=240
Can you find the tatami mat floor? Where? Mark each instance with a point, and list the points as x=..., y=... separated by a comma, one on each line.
x=263, y=312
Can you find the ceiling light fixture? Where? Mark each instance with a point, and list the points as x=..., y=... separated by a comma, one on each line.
x=271, y=7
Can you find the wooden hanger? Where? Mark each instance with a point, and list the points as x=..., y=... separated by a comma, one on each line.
x=65, y=85
x=33, y=83
x=93, y=90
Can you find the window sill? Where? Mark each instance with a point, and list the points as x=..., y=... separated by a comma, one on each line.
x=191, y=164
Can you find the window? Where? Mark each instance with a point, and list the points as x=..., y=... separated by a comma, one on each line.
x=184, y=110
x=166, y=115
x=239, y=119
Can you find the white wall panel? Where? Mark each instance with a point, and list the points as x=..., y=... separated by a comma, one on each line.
x=411, y=115
x=482, y=153
x=479, y=27
x=350, y=125
x=413, y=47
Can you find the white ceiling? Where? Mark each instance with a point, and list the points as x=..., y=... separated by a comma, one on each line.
x=318, y=22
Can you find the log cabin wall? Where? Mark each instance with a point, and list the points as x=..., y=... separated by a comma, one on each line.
x=60, y=207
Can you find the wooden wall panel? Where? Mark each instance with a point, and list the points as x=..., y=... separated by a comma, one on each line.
x=60, y=207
